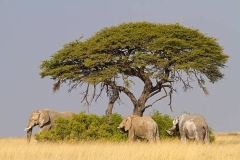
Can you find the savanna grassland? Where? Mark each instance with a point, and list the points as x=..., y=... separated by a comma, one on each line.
x=225, y=147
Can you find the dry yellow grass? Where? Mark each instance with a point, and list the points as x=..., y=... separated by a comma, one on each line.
x=226, y=147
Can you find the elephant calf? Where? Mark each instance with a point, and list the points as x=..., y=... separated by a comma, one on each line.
x=44, y=119
x=143, y=127
x=190, y=127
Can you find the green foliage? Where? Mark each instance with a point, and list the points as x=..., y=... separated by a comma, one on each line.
x=84, y=126
x=148, y=51
x=211, y=135
x=153, y=46
x=60, y=133
x=89, y=127
x=164, y=122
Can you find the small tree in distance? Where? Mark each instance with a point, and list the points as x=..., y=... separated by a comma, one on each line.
x=157, y=54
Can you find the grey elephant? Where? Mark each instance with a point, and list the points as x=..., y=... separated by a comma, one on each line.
x=44, y=119
x=142, y=127
x=193, y=127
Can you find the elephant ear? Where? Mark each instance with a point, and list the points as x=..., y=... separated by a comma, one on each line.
x=43, y=118
x=180, y=118
x=176, y=120
x=128, y=123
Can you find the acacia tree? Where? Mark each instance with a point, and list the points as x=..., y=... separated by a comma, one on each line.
x=158, y=54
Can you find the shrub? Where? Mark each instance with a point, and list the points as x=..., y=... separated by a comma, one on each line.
x=85, y=127
x=164, y=122
x=211, y=135
x=60, y=133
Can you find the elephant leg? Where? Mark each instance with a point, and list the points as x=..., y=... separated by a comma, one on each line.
x=157, y=138
x=130, y=135
x=199, y=136
x=151, y=140
x=184, y=138
x=199, y=139
x=152, y=137
x=149, y=136
x=206, y=138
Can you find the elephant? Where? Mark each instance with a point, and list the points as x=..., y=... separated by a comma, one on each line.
x=192, y=127
x=143, y=127
x=44, y=119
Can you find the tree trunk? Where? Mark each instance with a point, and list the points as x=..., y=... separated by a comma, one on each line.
x=111, y=102
x=139, y=110
x=109, y=110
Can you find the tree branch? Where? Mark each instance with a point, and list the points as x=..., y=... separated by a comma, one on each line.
x=185, y=85
x=85, y=96
x=56, y=86
x=101, y=90
x=170, y=96
x=73, y=84
x=123, y=89
x=94, y=93
x=154, y=93
x=200, y=83
x=165, y=79
x=157, y=99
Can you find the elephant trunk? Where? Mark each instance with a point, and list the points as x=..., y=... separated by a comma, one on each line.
x=171, y=130
x=29, y=135
x=121, y=128
x=29, y=131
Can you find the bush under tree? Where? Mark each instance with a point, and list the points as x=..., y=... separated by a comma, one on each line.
x=91, y=127
x=84, y=127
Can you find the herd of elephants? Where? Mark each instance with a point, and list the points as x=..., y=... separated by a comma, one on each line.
x=189, y=126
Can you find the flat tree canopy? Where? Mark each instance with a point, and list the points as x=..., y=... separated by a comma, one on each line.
x=158, y=54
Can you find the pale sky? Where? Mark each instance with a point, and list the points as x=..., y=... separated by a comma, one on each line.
x=31, y=31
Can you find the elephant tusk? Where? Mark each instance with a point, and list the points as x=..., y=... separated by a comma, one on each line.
x=26, y=129
x=170, y=132
x=118, y=127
